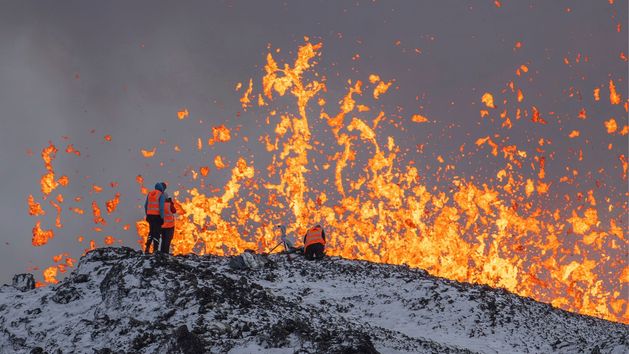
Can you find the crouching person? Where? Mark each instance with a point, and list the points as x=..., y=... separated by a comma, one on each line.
x=314, y=243
x=168, y=227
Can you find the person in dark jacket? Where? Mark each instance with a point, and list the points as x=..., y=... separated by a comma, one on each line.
x=168, y=227
x=154, y=209
x=314, y=243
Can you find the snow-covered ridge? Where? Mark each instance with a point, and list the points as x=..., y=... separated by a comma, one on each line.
x=118, y=300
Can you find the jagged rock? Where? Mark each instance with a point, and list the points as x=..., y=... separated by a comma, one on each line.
x=112, y=288
x=103, y=351
x=118, y=300
x=248, y=260
x=65, y=293
x=186, y=342
x=24, y=282
x=353, y=343
x=80, y=278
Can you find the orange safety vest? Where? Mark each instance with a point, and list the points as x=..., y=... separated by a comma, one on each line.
x=169, y=217
x=314, y=235
x=152, y=208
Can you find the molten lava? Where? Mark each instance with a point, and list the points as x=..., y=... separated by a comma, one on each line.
x=379, y=204
x=41, y=237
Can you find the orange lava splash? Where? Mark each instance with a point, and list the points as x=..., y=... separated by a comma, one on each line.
x=40, y=236
x=50, y=275
x=343, y=166
x=499, y=235
x=148, y=153
x=112, y=204
x=183, y=114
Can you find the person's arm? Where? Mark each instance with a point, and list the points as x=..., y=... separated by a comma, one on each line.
x=173, y=209
x=146, y=204
x=161, y=205
x=323, y=234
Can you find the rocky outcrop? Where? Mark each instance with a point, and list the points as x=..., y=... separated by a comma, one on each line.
x=119, y=300
x=24, y=282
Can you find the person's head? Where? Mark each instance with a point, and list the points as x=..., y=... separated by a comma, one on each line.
x=160, y=186
x=169, y=199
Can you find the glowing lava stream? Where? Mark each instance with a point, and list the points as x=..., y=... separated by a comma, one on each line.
x=500, y=235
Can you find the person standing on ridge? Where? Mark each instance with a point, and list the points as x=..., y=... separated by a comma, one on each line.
x=154, y=209
x=168, y=227
x=314, y=243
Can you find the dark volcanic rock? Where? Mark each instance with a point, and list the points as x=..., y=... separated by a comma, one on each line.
x=186, y=342
x=112, y=288
x=352, y=343
x=65, y=293
x=24, y=282
x=118, y=300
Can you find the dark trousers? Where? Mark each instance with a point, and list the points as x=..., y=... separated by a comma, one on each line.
x=155, y=230
x=167, y=236
x=314, y=251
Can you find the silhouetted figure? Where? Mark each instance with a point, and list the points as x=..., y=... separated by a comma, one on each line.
x=168, y=227
x=314, y=243
x=154, y=209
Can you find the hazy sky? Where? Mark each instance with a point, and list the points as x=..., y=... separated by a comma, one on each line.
x=125, y=68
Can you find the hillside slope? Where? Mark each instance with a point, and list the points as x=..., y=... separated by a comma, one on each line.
x=118, y=300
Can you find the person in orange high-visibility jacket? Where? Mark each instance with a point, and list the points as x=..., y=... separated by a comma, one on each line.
x=154, y=209
x=168, y=227
x=314, y=243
